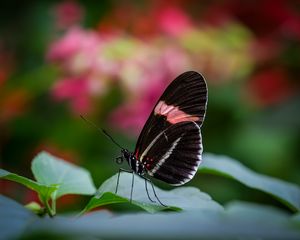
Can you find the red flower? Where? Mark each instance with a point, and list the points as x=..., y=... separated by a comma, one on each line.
x=268, y=17
x=67, y=14
x=13, y=103
x=270, y=87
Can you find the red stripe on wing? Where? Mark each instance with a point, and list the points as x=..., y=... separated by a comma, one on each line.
x=173, y=114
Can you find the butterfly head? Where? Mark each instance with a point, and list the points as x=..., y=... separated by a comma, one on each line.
x=125, y=153
x=132, y=161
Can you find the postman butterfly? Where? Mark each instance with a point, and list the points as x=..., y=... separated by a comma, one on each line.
x=169, y=147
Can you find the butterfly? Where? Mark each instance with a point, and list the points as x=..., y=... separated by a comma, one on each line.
x=169, y=147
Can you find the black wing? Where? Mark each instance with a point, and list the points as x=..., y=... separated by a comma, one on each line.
x=178, y=114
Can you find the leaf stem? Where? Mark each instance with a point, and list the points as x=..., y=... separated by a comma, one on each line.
x=45, y=201
x=53, y=200
x=48, y=208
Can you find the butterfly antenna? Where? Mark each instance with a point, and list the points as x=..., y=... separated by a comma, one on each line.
x=101, y=130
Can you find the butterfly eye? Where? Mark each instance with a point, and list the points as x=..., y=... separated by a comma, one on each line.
x=119, y=160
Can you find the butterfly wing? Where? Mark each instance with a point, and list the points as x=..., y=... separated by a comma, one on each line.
x=174, y=127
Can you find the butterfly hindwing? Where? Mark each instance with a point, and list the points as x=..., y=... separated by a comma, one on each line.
x=178, y=114
x=176, y=154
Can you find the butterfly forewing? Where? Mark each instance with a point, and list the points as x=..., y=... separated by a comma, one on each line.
x=170, y=143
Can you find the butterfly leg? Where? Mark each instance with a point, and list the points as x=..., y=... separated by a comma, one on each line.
x=156, y=195
x=154, y=191
x=121, y=170
x=132, y=182
x=147, y=191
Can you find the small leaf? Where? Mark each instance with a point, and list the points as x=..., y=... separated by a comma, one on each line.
x=286, y=192
x=186, y=198
x=35, y=207
x=44, y=190
x=72, y=179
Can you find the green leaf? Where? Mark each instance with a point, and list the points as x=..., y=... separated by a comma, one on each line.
x=14, y=218
x=286, y=192
x=44, y=190
x=237, y=221
x=71, y=179
x=256, y=212
x=55, y=178
x=186, y=198
x=296, y=220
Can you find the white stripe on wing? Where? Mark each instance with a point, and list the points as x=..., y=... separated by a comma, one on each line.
x=164, y=157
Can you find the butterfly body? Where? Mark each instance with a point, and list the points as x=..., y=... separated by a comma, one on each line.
x=136, y=166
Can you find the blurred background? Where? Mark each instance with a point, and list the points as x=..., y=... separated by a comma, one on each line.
x=111, y=60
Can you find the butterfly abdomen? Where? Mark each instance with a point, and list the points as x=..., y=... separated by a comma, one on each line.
x=135, y=164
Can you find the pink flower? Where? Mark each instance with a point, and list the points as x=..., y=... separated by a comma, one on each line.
x=76, y=91
x=69, y=88
x=74, y=41
x=85, y=65
x=131, y=116
x=173, y=21
x=175, y=60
